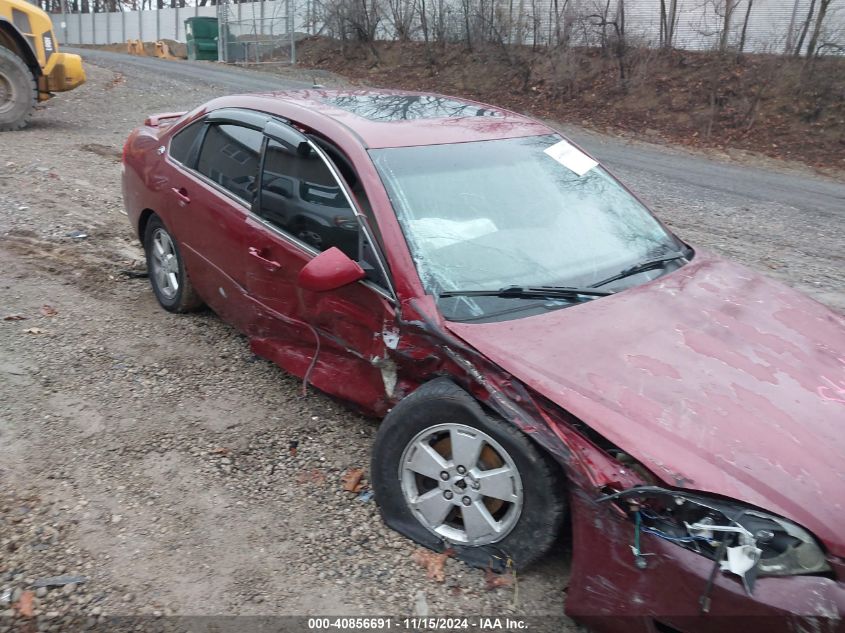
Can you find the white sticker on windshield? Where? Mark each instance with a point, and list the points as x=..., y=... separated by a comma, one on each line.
x=571, y=157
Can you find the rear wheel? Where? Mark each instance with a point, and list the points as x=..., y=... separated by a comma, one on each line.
x=166, y=270
x=18, y=91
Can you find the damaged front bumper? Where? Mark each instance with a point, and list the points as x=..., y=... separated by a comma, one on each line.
x=675, y=589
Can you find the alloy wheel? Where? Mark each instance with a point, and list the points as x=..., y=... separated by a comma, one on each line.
x=165, y=264
x=461, y=484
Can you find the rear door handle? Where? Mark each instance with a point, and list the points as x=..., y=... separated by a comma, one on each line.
x=182, y=195
x=269, y=264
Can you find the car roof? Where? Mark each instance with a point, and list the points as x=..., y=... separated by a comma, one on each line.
x=396, y=118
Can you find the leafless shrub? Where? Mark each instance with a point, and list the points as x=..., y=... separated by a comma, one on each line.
x=355, y=20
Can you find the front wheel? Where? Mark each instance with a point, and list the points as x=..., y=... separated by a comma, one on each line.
x=18, y=91
x=449, y=475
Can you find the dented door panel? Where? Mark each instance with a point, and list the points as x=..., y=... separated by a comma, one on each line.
x=333, y=339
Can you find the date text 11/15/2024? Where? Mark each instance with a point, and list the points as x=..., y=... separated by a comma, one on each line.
x=363, y=623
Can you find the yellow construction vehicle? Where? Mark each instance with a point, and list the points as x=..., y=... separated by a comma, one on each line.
x=31, y=66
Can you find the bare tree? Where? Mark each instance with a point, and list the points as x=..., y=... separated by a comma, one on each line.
x=741, y=46
x=402, y=13
x=618, y=43
x=466, y=5
x=424, y=23
x=535, y=25
x=804, y=29
x=668, y=22
x=730, y=5
x=814, y=39
x=790, y=33
x=764, y=78
x=561, y=25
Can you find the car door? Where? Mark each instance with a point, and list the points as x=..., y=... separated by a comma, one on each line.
x=334, y=338
x=213, y=197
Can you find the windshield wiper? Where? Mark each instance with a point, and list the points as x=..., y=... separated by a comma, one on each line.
x=532, y=292
x=649, y=264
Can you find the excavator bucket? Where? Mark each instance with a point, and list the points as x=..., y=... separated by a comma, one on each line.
x=163, y=51
x=135, y=47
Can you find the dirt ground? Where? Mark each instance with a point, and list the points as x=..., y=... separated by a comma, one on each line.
x=148, y=454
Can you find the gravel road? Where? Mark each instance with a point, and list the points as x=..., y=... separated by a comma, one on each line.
x=149, y=453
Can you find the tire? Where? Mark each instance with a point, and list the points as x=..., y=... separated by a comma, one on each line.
x=528, y=525
x=166, y=269
x=18, y=91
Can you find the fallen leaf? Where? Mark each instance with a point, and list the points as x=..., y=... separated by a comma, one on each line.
x=352, y=480
x=492, y=580
x=25, y=604
x=14, y=317
x=219, y=451
x=33, y=330
x=48, y=310
x=433, y=563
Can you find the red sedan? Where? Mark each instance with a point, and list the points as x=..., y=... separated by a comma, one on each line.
x=543, y=350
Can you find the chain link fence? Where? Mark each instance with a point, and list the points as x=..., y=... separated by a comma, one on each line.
x=258, y=32
x=250, y=32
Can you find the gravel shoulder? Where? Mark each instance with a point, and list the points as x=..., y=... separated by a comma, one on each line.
x=150, y=453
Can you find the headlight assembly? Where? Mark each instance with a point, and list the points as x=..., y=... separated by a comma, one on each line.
x=786, y=549
x=740, y=540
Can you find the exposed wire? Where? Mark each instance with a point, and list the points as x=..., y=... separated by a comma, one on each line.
x=313, y=364
x=675, y=539
x=637, y=530
x=665, y=535
x=292, y=321
x=639, y=491
x=704, y=600
x=649, y=514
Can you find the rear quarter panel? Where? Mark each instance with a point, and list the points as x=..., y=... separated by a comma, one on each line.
x=143, y=176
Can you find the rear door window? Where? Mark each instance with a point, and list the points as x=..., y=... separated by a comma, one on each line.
x=184, y=143
x=230, y=157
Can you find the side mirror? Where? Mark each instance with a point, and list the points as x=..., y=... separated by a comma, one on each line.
x=330, y=270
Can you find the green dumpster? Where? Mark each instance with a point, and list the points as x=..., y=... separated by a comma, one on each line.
x=201, y=34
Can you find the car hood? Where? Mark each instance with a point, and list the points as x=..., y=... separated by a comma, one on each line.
x=714, y=377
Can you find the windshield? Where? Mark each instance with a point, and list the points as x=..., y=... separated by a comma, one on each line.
x=515, y=212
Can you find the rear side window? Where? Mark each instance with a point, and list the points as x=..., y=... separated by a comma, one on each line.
x=230, y=156
x=184, y=142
